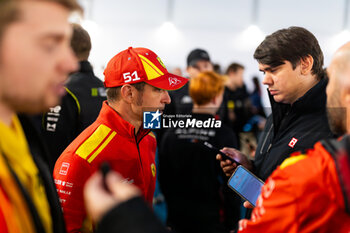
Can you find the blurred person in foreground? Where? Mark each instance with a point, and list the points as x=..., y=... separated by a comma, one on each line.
x=35, y=60
x=119, y=209
x=307, y=193
x=137, y=81
x=190, y=177
x=81, y=105
x=291, y=60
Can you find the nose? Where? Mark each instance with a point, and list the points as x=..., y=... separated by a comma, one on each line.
x=166, y=98
x=69, y=62
x=267, y=80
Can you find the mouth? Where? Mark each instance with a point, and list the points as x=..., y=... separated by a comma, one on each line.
x=60, y=89
x=273, y=92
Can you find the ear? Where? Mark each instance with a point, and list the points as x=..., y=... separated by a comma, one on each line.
x=127, y=93
x=306, y=64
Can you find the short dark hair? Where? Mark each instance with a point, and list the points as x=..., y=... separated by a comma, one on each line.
x=197, y=55
x=80, y=42
x=113, y=93
x=234, y=67
x=291, y=44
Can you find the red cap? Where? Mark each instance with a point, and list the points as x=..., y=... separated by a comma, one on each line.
x=135, y=65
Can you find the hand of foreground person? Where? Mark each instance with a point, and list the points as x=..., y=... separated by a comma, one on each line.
x=229, y=167
x=99, y=201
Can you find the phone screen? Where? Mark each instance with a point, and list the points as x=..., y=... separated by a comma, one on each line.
x=247, y=185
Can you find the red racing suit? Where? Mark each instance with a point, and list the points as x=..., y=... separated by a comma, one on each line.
x=302, y=195
x=111, y=139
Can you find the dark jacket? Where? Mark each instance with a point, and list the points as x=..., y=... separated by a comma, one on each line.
x=42, y=161
x=292, y=128
x=181, y=101
x=192, y=181
x=236, y=101
x=78, y=109
x=132, y=216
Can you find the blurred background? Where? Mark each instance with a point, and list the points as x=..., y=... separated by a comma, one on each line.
x=229, y=30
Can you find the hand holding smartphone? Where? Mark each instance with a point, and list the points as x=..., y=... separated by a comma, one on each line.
x=246, y=184
x=223, y=155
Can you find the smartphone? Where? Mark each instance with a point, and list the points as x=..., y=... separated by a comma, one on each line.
x=105, y=168
x=246, y=184
x=223, y=155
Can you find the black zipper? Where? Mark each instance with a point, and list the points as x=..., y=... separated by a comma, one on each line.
x=138, y=150
x=268, y=149
x=266, y=137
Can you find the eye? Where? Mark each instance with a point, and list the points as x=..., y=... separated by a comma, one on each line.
x=49, y=47
x=275, y=69
x=157, y=89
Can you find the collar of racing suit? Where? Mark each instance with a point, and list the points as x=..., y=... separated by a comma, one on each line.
x=123, y=127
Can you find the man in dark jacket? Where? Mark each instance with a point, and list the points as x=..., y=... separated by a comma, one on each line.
x=82, y=103
x=291, y=60
x=235, y=107
x=321, y=175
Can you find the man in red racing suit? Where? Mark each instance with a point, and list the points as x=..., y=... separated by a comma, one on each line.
x=113, y=141
x=117, y=136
